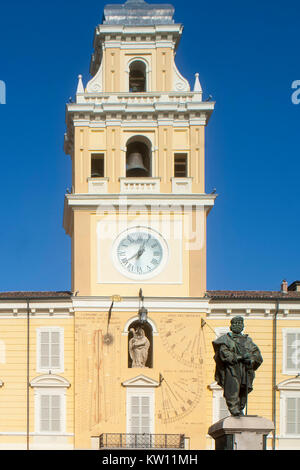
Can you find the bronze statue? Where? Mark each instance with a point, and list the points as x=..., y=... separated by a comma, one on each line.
x=138, y=347
x=237, y=357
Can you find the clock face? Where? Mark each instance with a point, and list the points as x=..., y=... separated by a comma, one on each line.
x=140, y=252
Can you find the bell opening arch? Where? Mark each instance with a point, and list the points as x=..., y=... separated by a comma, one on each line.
x=138, y=157
x=138, y=70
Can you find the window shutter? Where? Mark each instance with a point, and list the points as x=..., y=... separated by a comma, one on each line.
x=55, y=413
x=50, y=349
x=293, y=416
x=45, y=349
x=293, y=351
x=135, y=410
x=45, y=413
x=140, y=415
x=50, y=418
x=145, y=415
x=55, y=350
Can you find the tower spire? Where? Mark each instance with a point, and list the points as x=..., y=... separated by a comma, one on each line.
x=138, y=12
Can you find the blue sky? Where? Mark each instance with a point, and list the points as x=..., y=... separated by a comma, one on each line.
x=247, y=55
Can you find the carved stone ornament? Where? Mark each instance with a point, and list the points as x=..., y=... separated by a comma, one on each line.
x=138, y=348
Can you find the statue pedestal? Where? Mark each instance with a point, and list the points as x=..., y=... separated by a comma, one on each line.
x=241, y=433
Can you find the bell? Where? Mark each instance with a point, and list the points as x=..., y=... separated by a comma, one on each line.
x=135, y=165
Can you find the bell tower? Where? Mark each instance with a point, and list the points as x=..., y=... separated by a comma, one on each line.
x=136, y=216
x=136, y=139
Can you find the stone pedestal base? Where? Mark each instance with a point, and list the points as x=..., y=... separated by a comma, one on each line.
x=241, y=433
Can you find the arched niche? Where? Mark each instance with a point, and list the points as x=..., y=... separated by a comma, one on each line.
x=137, y=77
x=138, y=157
x=140, y=341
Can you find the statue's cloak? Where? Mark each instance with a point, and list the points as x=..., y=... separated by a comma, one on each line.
x=226, y=343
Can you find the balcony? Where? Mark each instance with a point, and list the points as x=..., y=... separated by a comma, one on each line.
x=141, y=441
x=115, y=100
x=140, y=185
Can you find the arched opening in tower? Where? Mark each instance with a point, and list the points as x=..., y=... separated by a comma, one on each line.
x=137, y=77
x=138, y=159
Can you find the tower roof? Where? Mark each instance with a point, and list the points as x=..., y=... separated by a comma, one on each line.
x=138, y=12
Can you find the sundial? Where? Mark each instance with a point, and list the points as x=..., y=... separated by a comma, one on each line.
x=181, y=392
x=182, y=340
x=181, y=387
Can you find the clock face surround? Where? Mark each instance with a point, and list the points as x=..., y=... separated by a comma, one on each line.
x=140, y=253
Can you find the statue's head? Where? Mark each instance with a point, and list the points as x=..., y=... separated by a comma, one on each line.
x=237, y=325
x=140, y=331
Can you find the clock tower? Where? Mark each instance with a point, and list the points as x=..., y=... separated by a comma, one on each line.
x=136, y=216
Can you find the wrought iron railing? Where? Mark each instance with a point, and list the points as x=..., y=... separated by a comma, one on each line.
x=141, y=441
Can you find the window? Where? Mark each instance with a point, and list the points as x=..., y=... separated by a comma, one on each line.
x=137, y=77
x=290, y=407
x=140, y=415
x=97, y=165
x=50, y=403
x=50, y=413
x=291, y=351
x=140, y=410
x=293, y=415
x=180, y=165
x=139, y=421
x=50, y=349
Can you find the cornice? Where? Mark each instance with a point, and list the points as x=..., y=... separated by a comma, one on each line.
x=154, y=202
x=256, y=309
x=139, y=29
x=131, y=304
x=162, y=199
x=100, y=113
x=149, y=35
x=124, y=108
x=140, y=122
x=37, y=304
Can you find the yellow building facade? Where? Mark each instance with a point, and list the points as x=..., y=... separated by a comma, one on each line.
x=136, y=216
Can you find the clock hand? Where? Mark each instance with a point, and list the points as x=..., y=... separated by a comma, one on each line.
x=134, y=256
x=141, y=250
